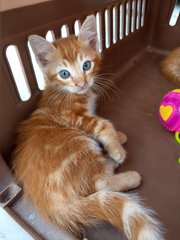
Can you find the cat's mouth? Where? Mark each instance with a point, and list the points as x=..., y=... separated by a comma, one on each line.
x=78, y=90
x=84, y=89
x=81, y=89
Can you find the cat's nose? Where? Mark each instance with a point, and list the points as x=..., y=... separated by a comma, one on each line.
x=82, y=85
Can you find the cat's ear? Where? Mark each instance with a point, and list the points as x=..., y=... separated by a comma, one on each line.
x=42, y=49
x=88, y=32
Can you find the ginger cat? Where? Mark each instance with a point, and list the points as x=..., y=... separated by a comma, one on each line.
x=59, y=159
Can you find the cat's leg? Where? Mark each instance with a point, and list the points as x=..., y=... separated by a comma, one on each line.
x=110, y=166
x=105, y=133
x=118, y=182
x=101, y=130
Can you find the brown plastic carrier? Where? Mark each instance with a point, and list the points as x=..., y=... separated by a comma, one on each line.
x=135, y=35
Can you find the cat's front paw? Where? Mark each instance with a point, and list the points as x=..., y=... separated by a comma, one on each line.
x=118, y=154
x=121, y=137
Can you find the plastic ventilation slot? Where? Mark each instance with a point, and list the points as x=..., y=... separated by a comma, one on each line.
x=175, y=14
x=115, y=24
x=77, y=26
x=64, y=31
x=138, y=14
x=143, y=12
x=107, y=28
x=121, y=25
x=50, y=36
x=133, y=16
x=38, y=74
x=18, y=72
x=127, y=18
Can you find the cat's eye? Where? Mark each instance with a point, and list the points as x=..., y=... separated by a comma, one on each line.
x=86, y=65
x=64, y=74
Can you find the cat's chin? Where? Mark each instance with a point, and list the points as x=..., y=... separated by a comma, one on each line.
x=83, y=91
x=78, y=91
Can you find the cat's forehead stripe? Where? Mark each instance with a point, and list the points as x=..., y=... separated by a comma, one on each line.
x=80, y=56
x=65, y=63
x=70, y=49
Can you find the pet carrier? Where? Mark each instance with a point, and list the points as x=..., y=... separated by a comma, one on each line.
x=134, y=36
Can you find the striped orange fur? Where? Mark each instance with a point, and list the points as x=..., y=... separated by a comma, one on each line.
x=58, y=158
x=171, y=66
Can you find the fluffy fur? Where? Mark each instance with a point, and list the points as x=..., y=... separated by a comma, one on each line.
x=171, y=66
x=58, y=158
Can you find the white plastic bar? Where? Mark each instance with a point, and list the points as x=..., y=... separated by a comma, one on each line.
x=107, y=28
x=115, y=25
x=64, y=31
x=143, y=12
x=127, y=18
x=18, y=72
x=38, y=73
x=50, y=36
x=77, y=26
x=133, y=16
x=99, y=30
x=138, y=14
x=121, y=25
x=175, y=14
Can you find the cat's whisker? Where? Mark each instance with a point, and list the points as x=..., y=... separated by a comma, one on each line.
x=69, y=98
x=108, y=74
x=108, y=85
x=102, y=92
x=106, y=80
x=99, y=93
x=111, y=85
x=58, y=97
x=65, y=99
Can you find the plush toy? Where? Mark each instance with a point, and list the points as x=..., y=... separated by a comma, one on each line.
x=169, y=113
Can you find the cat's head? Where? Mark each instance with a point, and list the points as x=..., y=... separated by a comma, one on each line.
x=69, y=63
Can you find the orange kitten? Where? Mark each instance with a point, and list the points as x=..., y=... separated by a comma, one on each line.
x=58, y=158
x=171, y=66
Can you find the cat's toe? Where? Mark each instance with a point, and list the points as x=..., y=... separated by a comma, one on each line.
x=122, y=137
x=118, y=155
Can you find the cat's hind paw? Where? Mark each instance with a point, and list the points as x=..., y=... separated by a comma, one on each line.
x=133, y=179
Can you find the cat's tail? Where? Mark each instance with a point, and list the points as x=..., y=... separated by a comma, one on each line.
x=121, y=210
x=171, y=66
